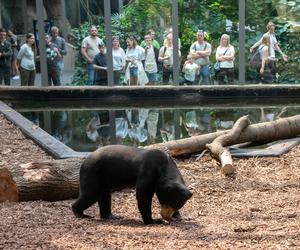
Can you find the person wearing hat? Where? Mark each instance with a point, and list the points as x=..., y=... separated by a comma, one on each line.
x=100, y=66
x=273, y=47
x=200, y=51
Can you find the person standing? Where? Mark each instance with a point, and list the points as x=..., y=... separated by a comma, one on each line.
x=225, y=55
x=53, y=57
x=170, y=32
x=89, y=49
x=190, y=70
x=5, y=58
x=118, y=60
x=13, y=39
x=166, y=57
x=26, y=62
x=154, y=42
x=100, y=66
x=274, y=46
x=61, y=45
x=135, y=72
x=201, y=50
x=151, y=58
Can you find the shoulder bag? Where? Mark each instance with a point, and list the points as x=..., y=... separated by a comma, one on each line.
x=217, y=65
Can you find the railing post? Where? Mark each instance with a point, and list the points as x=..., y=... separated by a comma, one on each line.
x=175, y=42
x=108, y=36
x=42, y=44
x=242, y=64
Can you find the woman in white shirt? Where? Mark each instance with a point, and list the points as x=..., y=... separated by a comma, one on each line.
x=225, y=55
x=135, y=72
x=118, y=60
x=25, y=61
x=166, y=57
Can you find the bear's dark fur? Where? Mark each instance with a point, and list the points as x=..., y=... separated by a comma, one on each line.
x=116, y=166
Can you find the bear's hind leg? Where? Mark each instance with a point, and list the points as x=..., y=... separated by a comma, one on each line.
x=82, y=203
x=104, y=203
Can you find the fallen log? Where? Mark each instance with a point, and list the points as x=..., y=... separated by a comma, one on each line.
x=282, y=128
x=49, y=180
x=8, y=187
x=218, y=146
x=59, y=179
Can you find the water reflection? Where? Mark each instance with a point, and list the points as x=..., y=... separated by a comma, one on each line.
x=86, y=130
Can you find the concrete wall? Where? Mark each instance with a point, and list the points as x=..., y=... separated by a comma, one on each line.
x=69, y=59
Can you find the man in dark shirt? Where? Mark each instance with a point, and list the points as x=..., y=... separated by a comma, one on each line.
x=5, y=58
x=53, y=57
x=100, y=66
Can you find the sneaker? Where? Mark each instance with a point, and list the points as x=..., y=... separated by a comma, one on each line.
x=16, y=78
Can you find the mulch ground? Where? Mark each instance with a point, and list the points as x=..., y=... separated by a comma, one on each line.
x=258, y=209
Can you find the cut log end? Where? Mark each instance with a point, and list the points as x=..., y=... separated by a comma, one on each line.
x=228, y=169
x=8, y=187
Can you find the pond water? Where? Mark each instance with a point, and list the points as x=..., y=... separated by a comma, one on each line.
x=85, y=130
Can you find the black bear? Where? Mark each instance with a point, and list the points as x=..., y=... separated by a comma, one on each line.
x=115, y=167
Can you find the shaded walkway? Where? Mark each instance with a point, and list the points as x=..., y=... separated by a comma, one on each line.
x=66, y=79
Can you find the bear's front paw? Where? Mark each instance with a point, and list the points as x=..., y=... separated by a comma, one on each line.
x=177, y=216
x=155, y=221
x=80, y=214
x=111, y=217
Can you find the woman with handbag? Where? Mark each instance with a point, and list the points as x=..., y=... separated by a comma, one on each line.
x=166, y=57
x=225, y=57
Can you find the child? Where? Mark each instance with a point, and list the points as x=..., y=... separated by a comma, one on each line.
x=190, y=70
x=100, y=66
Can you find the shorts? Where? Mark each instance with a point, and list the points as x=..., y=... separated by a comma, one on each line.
x=133, y=71
x=152, y=77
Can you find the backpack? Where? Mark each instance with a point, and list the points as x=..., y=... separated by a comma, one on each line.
x=255, y=60
x=160, y=63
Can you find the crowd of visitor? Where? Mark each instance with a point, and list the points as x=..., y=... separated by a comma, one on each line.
x=20, y=61
x=139, y=63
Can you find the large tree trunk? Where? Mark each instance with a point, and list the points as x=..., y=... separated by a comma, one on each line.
x=54, y=12
x=50, y=181
x=282, y=128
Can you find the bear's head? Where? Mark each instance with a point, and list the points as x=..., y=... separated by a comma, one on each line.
x=172, y=197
